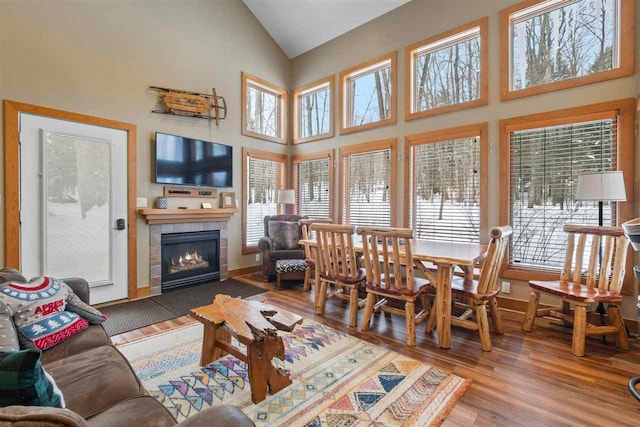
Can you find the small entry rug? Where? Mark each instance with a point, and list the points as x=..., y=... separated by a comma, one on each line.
x=338, y=380
x=140, y=313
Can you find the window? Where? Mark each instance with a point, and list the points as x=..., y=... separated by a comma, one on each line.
x=313, y=183
x=447, y=72
x=313, y=111
x=367, y=95
x=263, y=174
x=556, y=44
x=264, y=112
x=541, y=159
x=368, y=183
x=446, y=183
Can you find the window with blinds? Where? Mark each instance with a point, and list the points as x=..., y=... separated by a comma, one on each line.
x=366, y=192
x=313, y=187
x=263, y=179
x=445, y=190
x=545, y=165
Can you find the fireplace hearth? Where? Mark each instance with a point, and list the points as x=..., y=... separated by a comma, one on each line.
x=190, y=258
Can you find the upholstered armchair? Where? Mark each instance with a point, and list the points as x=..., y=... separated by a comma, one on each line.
x=280, y=241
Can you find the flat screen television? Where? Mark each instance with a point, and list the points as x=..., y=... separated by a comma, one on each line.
x=188, y=161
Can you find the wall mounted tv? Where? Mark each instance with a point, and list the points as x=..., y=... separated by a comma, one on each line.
x=187, y=161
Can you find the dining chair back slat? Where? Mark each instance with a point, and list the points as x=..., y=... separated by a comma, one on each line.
x=389, y=248
x=336, y=251
x=488, y=280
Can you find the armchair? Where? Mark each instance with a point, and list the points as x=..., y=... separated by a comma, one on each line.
x=281, y=242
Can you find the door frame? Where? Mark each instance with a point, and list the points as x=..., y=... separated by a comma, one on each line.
x=12, y=110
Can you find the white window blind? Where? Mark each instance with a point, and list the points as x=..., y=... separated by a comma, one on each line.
x=366, y=192
x=545, y=165
x=313, y=185
x=263, y=180
x=445, y=190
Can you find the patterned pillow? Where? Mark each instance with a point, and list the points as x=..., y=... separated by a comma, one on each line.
x=8, y=336
x=23, y=381
x=284, y=235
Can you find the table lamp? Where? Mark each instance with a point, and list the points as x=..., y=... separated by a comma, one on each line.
x=286, y=197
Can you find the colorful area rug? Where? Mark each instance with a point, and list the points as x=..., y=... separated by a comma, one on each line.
x=338, y=380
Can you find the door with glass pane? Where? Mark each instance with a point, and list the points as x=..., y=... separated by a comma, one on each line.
x=73, y=203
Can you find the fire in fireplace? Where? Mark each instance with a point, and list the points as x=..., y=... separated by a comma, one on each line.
x=190, y=258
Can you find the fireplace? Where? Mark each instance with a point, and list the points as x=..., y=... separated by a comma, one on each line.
x=190, y=258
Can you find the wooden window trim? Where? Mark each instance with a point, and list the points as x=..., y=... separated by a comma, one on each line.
x=459, y=132
x=278, y=91
x=625, y=111
x=12, y=110
x=297, y=94
x=261, y=155
x=627, y=54
x=342, y=80
x=383, y=144
x=483, y=24
x=318, y=155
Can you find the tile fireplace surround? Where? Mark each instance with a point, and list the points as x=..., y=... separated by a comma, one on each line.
x=155, y=250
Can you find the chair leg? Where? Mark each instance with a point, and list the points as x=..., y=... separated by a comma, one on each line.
x=483, y=327
x=353, y=307
x=614, y=316
x=368, y=311
x=496, y=319
x=410, y=315
x=278, y=282
x=579, y=330
x=307, y=279
x=431, y=320
x=532, y=310
x=321, y=297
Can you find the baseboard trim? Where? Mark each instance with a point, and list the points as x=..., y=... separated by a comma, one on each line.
x=592, y=317
x=244, y=270
x=143, y=292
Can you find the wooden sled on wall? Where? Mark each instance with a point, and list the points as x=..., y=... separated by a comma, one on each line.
x=192, y=104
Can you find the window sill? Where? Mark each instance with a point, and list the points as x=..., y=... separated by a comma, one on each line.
x=313, y=138
x=527, y=274
x=264, y=137
x=247, y=250
x=408, y=115
x=390, y=121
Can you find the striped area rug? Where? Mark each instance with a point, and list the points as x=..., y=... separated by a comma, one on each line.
x=338, y=380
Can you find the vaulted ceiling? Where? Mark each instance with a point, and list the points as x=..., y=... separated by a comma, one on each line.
x=301, y=25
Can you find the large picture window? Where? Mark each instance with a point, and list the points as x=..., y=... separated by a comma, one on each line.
x=368, y=183
x=554, y=44
x=263, y=174
x=313, y=184
x=264, y=109
x=313, y=111
x=447, y=72
x=542, y=157
x=368, y=95
x=446, y=182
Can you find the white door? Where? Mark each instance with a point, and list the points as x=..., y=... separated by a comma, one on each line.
x=73, y=192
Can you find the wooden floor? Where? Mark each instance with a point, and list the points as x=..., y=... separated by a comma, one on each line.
x=527, y=380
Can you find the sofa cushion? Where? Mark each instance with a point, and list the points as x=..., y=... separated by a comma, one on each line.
x=142, y=411
x=92, y=337
x=23, y=381
x=95, y=380
x=40, y=416
x=284, y=234
x=11, y=275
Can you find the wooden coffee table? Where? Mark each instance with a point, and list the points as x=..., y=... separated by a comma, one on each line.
x=255, y=325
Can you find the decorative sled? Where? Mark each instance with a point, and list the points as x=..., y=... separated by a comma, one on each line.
x=192, y=104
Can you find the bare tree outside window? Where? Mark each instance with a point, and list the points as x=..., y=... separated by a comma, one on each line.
x=263, y=180
x=565, y=40
x=315, y=113
x=368, y=178
x=314, y=198
x=545, y=166
x=369, y=96
x=445, y=192
x=447, y=74
x=263, y=111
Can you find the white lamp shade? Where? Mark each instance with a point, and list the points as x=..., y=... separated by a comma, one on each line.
x=601, y=186
x=286, y=197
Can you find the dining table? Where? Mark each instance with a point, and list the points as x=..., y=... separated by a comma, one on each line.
x=436, y=260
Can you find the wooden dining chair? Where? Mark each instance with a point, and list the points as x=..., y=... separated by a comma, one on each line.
x=385, y=251
x=337, y=268
x=601, y=284
x=474, y=295
x=310, y=252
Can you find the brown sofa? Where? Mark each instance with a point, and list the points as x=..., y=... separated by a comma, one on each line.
x=100, y=387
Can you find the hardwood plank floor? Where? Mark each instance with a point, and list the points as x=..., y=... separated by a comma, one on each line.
x=528, y=379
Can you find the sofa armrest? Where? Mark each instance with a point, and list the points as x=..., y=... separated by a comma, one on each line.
x=80, y=287
x=40, y=416
x=218, y=416
x=265, y=244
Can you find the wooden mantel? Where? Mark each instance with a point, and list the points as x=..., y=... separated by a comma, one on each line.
x=177, y=216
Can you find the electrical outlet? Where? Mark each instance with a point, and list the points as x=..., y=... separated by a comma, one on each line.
x=141, y=202
x=506, y=287
x=257, y=257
